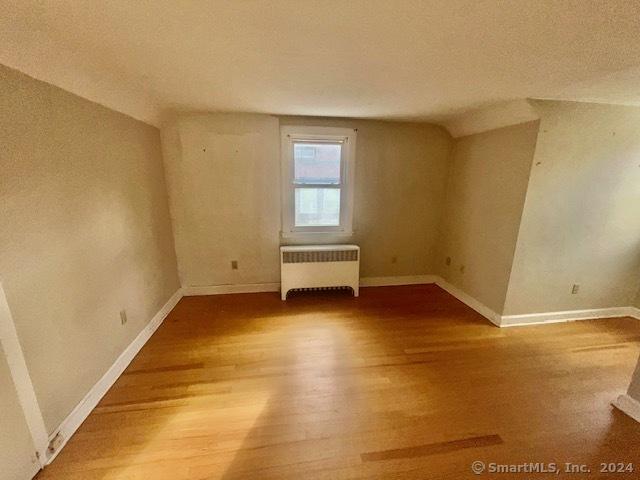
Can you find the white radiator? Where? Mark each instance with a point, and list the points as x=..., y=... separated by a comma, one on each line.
x=318, y=266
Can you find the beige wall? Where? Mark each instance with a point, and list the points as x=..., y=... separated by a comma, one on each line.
x=223, y=172
x=580, y=223
x=223, y=176
x=401, y=171
x=86, y=233
x=485, y=195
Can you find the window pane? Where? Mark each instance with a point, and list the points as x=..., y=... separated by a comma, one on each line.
x=317, y=207
x=317, y=163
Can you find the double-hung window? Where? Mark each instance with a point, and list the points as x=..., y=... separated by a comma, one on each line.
x=318, y=174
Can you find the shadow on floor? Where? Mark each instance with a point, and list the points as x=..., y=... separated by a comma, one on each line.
x=402, y=382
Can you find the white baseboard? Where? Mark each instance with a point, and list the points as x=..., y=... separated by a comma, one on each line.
x=70, y=424
x=14, y=356
x=468, y=300
x=400, y=280
x=566, y=316
x=229, y=288
x=536, y=318
x=628, y=405
x=275, y=287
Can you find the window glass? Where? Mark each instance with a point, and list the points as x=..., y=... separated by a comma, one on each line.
x=317, y=163
x=317, y=207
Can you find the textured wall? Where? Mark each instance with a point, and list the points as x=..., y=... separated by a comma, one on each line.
x=223, y=172
x=86, y=233
x=580, y=223
x=485, y=194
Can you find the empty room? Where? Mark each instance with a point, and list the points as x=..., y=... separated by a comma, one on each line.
x=319, y=239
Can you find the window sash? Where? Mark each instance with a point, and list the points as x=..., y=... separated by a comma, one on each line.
x=320, y=200
x=316, y=185
x=345, y=137
x=296, y=141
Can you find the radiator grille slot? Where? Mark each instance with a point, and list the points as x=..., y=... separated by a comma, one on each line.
x=320, y=256
x=319, y=289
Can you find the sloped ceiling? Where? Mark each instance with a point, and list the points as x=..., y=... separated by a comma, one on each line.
x=405, y=59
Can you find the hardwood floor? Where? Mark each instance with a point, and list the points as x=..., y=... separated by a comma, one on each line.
x=402, y=382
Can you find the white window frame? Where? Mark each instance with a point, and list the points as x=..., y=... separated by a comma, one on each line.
x=345, y=136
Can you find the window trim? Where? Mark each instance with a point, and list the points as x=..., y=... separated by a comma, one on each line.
x=347, y=137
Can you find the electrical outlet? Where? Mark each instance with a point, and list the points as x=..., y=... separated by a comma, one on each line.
x=234, y=264
x=575, y=289
x=123, y=317
x=447, y=261
x=55, y=443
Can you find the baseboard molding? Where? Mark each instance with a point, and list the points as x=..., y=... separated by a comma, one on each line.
x=471, y=302
x=191, y=291
x=22, y=381
x=536, y=318
x=275, y=287
x=567, y=316
x=628, y=405
x=70, y=424
x=400, y=280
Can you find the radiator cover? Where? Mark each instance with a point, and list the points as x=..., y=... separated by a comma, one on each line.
x=319, y=266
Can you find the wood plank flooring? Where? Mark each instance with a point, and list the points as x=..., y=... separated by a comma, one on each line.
x=402, y=383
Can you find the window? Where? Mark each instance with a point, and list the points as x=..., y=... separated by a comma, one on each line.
x=317, y=173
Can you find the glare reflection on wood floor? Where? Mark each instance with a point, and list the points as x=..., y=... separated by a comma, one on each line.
x=402, y=382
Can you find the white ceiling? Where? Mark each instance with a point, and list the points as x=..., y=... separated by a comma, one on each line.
x=395, y=59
